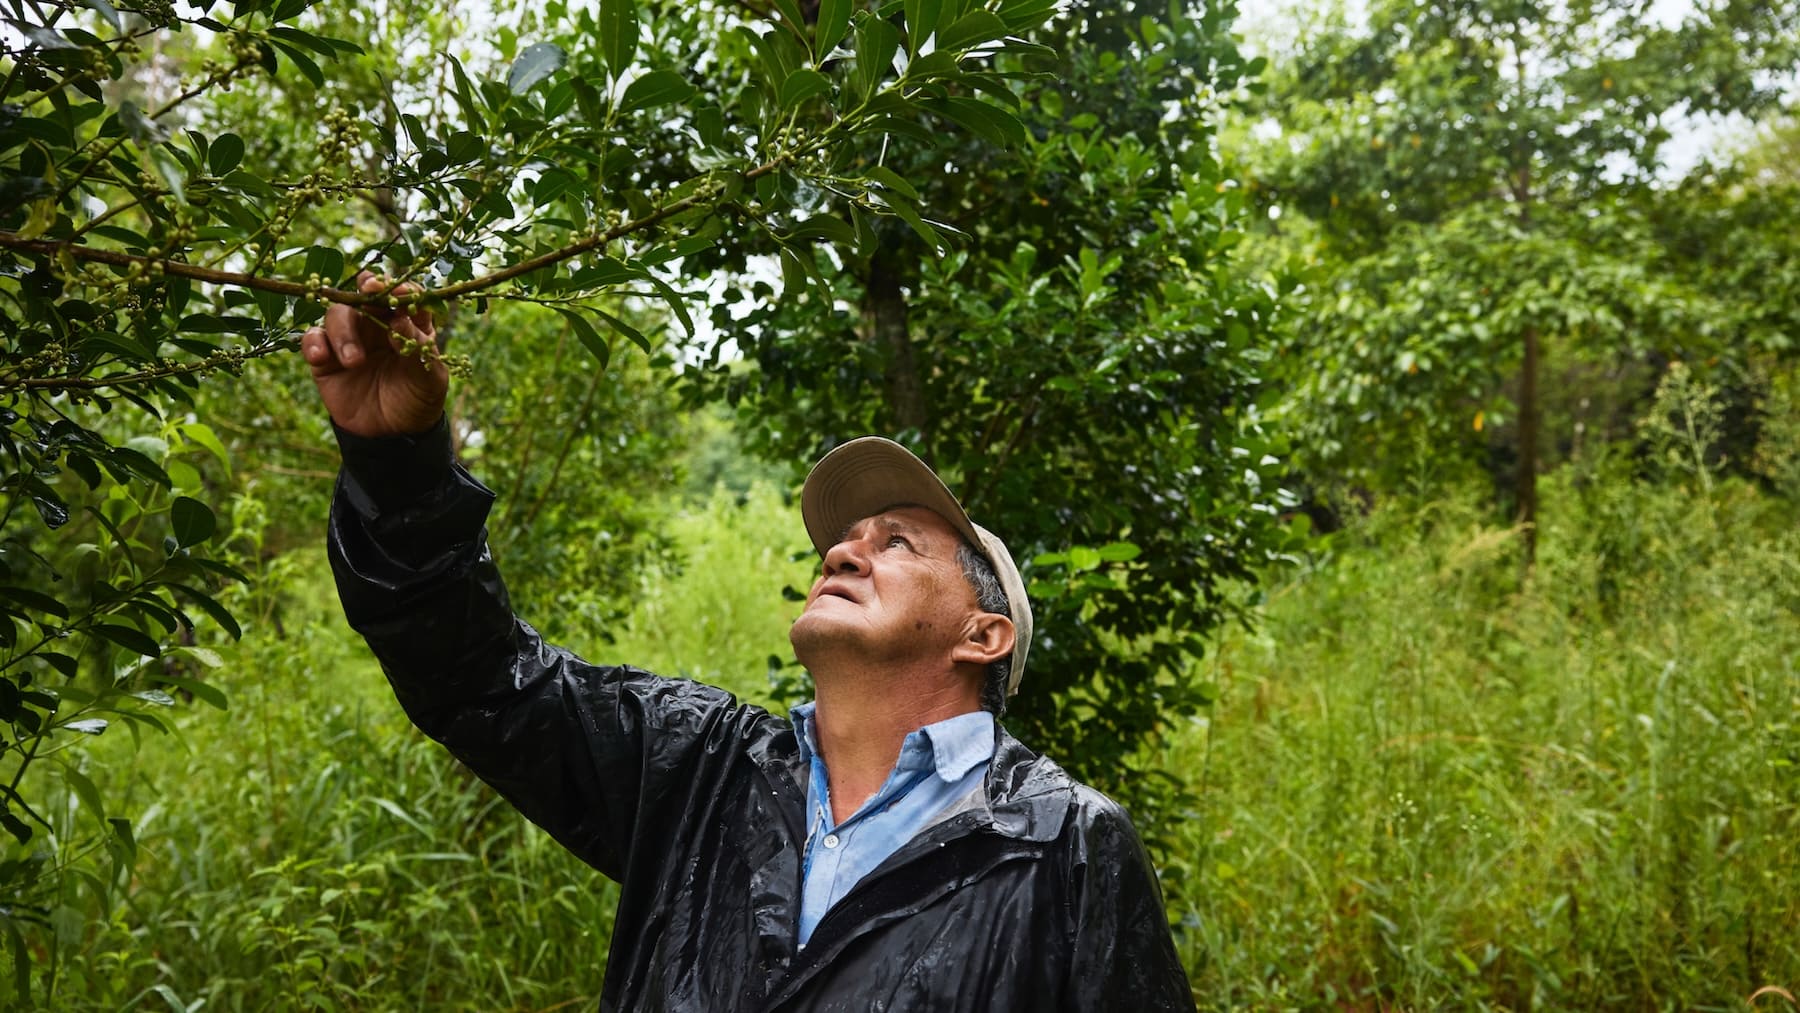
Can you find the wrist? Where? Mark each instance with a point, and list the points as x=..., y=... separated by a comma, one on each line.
x=391, y=470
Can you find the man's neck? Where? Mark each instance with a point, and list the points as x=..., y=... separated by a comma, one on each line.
x=859, y=729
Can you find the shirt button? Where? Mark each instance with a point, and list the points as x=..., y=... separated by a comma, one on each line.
x=831, y=840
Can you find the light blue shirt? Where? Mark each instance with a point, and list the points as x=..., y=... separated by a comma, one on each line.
x=939, y=765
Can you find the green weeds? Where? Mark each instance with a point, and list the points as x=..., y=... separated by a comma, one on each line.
x=1425, y=783
x=1431, y=785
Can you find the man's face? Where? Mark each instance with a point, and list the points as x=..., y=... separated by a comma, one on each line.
x=891, y=589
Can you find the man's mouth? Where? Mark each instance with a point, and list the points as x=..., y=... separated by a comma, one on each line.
x=835, y=591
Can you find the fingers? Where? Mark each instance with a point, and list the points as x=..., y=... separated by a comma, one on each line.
x=315, y=348
x=351, y=335
x=342, y=335
x=391, y=322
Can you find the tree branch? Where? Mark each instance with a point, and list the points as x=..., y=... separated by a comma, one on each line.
x=57, y=248
x=211, y=362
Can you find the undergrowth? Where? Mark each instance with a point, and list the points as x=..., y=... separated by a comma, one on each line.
x=1427, y=782
x=1431, y=782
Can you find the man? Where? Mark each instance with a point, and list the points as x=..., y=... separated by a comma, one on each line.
x=889, y=848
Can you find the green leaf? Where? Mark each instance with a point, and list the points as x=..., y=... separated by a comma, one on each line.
x=127, y=637
x=827, y=227
x=193, y=521
x=1022, y=14
x=201, y=433
x=921, y=21
x=170, y=170
x=590, y=339
x=972, y=29
x=1083, y=558
x=250, y=183
x=205, y=657
x=35, y=600
x=793, y=17
x=801, y=85
x=892, y=180
x=200, y=688
x=123, y=843
x=985, y=121
x=107, y=11
x=657, y=88
x=937, y=63
x=19, y=830
x=86, y=726
x=219, y=613
x=794, y=278
x=1120, y=552
x=466, y=97
x=143, y=130
x=834, y=21
x=302, y=62
x=83, y=787
x=559, y=99
x=63, y=664
x=673, y=298
x=631, y=333
x=226, y=151
x=536, y=63
x=618, y=35
x=904, y=210
x=41, y=36
x=328, y=48
x=876, y=43
x=19, y=191
x=326, y=262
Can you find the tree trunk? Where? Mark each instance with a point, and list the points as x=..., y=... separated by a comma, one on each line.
x=885, y=324
x=1526, y=483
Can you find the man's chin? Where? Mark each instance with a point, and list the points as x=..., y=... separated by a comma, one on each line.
x=817, y=631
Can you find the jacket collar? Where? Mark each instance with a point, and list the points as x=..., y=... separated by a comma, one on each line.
x=1028, y=796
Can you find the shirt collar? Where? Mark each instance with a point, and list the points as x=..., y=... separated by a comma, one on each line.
x=951, y=747
x=801, y=716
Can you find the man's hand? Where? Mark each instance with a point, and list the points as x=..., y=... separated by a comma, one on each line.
x=370, y=387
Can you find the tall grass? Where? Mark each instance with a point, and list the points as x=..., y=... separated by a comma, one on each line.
x=310, y=850
x=1428, y=783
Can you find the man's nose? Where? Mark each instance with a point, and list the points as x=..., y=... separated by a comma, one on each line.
x=847, y=556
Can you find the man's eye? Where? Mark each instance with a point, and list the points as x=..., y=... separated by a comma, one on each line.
x=897, y=540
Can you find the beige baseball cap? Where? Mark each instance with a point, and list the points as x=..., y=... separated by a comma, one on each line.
x=870, y=474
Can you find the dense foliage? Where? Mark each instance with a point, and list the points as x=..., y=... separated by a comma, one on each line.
x=679, y=247
x=149, y=257
x=1071, y=344
x=1473, y=181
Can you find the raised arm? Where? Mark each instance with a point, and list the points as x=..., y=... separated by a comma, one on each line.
x=587, y=752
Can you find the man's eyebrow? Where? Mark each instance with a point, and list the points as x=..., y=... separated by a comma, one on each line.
x=897, y=524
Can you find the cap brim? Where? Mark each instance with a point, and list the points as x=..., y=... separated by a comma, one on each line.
x=865, y=476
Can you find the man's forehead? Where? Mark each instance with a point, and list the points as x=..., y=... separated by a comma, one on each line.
x=906, y=518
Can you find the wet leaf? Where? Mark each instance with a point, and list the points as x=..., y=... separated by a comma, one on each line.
x=127, y=637
x=618, y=34
x=193, y=521
x=536, y=63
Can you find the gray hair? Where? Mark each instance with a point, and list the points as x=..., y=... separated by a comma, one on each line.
x=989, y=597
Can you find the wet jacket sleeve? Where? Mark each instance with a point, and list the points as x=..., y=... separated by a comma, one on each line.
x=596, y=755
x=1123, y=946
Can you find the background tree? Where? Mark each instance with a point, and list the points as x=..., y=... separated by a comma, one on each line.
x=1460, y=169
x=1067, y=340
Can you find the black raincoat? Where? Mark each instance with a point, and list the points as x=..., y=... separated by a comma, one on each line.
x=1038, y=896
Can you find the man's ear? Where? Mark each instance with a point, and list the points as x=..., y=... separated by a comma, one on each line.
x=987, y=637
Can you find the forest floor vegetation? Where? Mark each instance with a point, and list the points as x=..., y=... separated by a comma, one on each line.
x=1427, y=782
